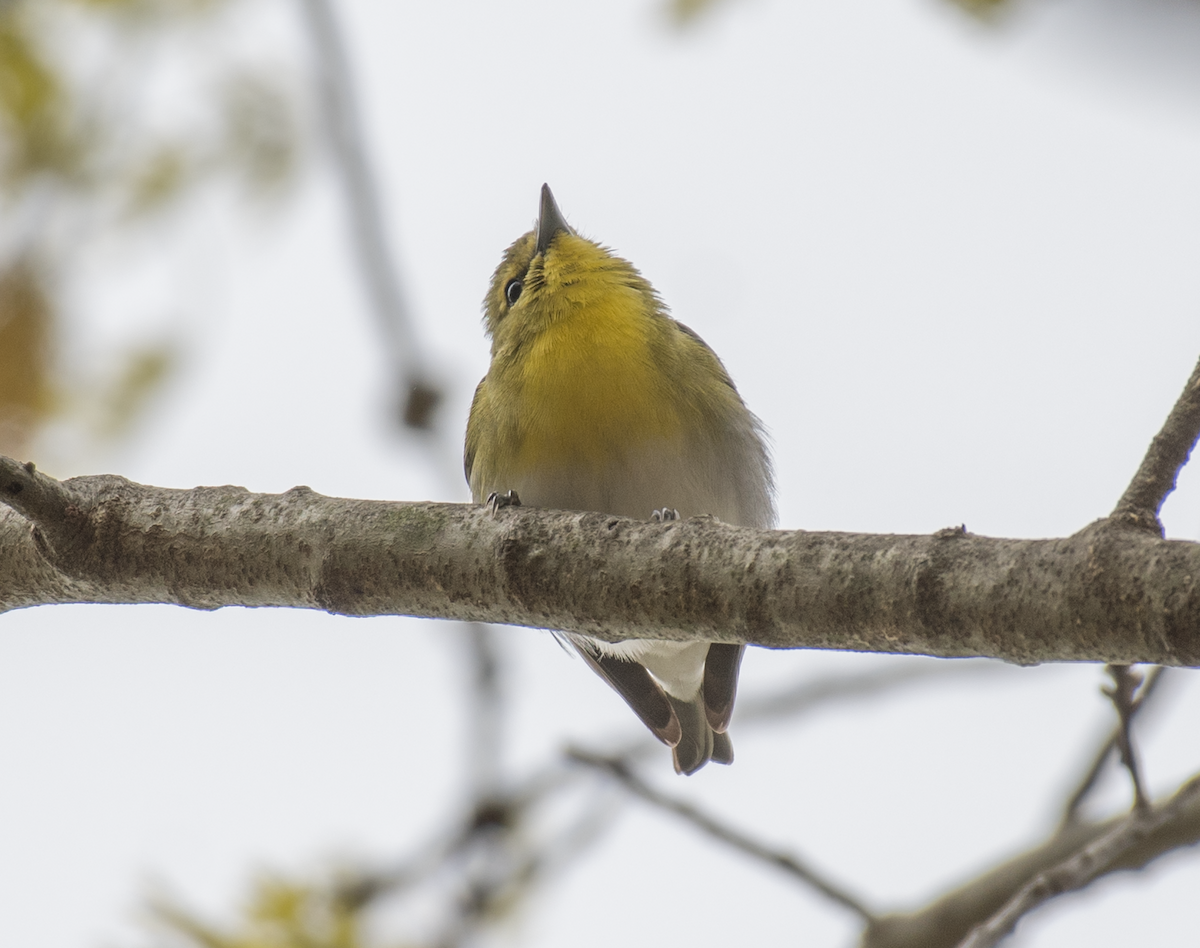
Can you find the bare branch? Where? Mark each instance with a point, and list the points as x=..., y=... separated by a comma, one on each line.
x=366, y=887
x=1085, y=865
x=1088, y=782
x=726, y=834
x=1122, y=695
x=1102, y=595
x=949, y=919
x=594, y=819
x=1166, y=456
x=34, y=495
x=418, y=394
x=494, y=854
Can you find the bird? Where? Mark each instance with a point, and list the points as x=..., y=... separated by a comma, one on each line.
x=597, y=399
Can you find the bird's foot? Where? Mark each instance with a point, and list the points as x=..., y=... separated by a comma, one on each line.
x=496, y=500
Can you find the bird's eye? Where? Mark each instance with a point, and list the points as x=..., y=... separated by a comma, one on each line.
x=512, y=291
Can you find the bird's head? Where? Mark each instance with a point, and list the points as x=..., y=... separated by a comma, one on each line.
x=552, y=274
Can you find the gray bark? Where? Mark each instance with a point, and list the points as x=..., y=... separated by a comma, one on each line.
x=1114, y=592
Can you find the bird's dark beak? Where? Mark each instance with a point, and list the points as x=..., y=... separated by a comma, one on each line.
x=550, y=221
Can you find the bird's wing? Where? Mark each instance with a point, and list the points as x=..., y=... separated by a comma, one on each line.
x=472, y=439
x=641, y=692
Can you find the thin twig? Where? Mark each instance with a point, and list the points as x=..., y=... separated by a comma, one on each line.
x=1088, y=782
x=597, y=816
x=40, y=499
x=726, y=834
x=366, y=887
x=948, y=919
x=519, y=864
x=506, y=860
x=418, y=393
x=1082, y=867
x=1166, y=456
x=1122, y=695
x=482, y=817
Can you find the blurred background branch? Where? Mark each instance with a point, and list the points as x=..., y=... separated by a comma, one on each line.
x=724, y=833
x=417, y=394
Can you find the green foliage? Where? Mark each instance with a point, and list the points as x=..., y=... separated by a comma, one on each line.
x=79, y=148
x=984, y=9
x=26, y=397
x=684, y=13
x=260, y=131
x=142, y=373
x=281, y=913
x=158, y=177
x=687, y=12
x=33, y=106
x=58, y=125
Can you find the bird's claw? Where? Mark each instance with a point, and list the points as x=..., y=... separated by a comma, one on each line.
x=496, y=500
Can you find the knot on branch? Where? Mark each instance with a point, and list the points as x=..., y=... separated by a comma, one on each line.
x=1142, y=519
x=60, y=518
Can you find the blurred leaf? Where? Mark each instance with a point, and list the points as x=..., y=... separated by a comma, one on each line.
x=688, y=12
x=26, y=322
x=142, y=9
x=32, y=106
x=260, y=130
x=281, y=913
x=162, y=177
x=83, y=153
x=111, y=4
x=140, y=379
x=984, y=9
x=27, y=87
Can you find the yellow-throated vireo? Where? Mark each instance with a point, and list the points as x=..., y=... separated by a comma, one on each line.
x=596, y=399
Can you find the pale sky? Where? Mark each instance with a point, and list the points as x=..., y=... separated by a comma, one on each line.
x=953, y=270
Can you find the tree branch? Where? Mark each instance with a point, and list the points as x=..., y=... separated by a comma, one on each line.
x=1166, y=456
x=1105, y=594
x=418, y=393
x=726, y=834
x=1123, y=695
x=1092, y=775
x=1126, y=842
x=1100, y=856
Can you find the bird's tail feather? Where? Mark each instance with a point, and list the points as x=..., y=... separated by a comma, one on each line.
x=698, y=742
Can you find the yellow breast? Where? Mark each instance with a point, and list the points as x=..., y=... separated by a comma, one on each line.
x=588, y=393
x=595, y=399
